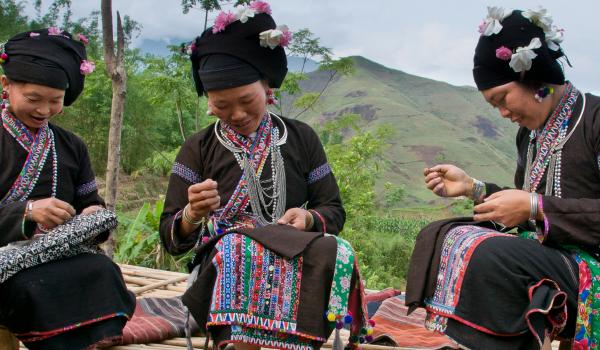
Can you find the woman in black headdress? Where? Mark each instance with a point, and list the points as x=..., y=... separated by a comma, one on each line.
x=270, y=286
x=45, y=179
x=491, y=290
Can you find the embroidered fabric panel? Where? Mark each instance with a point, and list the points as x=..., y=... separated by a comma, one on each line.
x=86, y=188
x=248, y=335
x=17, y=130
x=256, y=152
x=74, y=237
x=254, y=287
x=457, y=249
x=318, y=173
x=587, y=331
x=186, y=173
x=39, y=148
x=342, y=275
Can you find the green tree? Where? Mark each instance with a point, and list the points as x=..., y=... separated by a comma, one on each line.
x=11, y=19
x=293, y=101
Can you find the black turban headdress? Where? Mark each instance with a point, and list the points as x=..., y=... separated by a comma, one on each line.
x=50, y=59
x=490, y=70
x=234, y=57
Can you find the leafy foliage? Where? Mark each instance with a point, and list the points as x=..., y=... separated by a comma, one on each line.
x=139, y=241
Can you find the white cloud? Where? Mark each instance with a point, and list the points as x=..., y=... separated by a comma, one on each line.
x=431, y=38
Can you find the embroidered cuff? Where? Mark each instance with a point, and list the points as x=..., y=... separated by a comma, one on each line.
x=86, y=188
x=186, y=173
x=177, y=242
x=318, y=173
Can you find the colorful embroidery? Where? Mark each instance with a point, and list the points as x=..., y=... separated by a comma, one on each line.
x=318, y=173
x=86, y=188
x=274, y=340
x=587, y=331
x=39, y=147
x=552, y=134
x=186, y=173
x=458, y=247
x=340, y=287
x=255, y=287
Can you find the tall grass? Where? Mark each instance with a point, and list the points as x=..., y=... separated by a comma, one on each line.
x=384, y=246
x=139, y=241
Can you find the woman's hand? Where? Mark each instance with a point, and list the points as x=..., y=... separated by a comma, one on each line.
x=447, y=180
x=299, y=218
x=91, y=209
x=203, y=198
x=51, y=212
x=508, y=207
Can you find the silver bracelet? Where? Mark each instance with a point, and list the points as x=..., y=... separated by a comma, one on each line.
x=185, y=216
x=533, y=205
x=478, y=190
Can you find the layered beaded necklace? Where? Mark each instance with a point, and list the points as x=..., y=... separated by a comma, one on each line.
x=549, y=142
x=266, y=197
x=38, y=147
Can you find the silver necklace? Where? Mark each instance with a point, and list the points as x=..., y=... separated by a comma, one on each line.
x=267, y=207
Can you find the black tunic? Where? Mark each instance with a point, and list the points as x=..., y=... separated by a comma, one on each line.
x=504, y=269
x=76, y=181
x=308, y=178
x=574, y=218
x=85, y=293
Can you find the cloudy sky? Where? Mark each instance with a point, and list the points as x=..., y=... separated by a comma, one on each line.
x=429, y=38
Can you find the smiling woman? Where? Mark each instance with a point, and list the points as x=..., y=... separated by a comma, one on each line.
x=254, y=195
x=33, y=104
x=45, y=180
x=492, y=290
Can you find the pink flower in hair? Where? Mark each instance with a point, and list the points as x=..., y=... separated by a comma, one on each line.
x=504, y=53
x=222, y=21
x=87, y=67
x=54, y=31
x=286, y=38
x=260, y=7
x=83, y=39
x=481, y=28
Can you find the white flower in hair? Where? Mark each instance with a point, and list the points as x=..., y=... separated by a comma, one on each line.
x=243, y=12
x=554, y=37
x=491, y=24
x=540, y=17
x=274, y=37
x=521, y=59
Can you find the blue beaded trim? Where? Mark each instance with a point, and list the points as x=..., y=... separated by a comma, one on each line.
x=186, y=173
x=86, y=188
x=319, y=173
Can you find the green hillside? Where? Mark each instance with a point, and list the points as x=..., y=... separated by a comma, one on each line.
x=433, y=122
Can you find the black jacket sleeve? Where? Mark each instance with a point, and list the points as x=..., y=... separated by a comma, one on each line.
x=324, y=199
x=86, y=190
x=185, y=172
x=12, y=226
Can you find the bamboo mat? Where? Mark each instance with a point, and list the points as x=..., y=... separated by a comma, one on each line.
x=146, y=282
